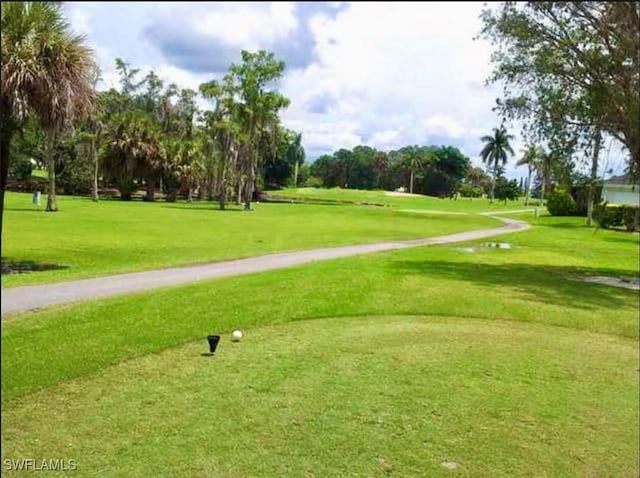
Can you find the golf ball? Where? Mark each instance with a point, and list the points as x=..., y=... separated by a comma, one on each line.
x=236, y=336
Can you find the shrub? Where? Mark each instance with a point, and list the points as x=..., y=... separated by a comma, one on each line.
x=20, y=168
x=580, y=194
x=560, y=203
x=507, y=190
x=610, y=216
x=311, y=182
x=468, y=191
x=630, y=217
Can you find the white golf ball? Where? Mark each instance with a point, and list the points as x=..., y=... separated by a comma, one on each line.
x=236, y=336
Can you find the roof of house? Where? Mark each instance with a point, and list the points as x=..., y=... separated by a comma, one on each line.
x=623, y=179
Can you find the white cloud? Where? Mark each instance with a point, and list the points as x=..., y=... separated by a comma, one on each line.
x=389, y=74
x=248, y=25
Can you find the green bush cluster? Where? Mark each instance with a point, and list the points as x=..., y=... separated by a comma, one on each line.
x=560, y=203
x=469, y=191
x=611, y=216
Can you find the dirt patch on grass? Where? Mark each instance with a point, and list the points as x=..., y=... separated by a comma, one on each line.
x=624, y=282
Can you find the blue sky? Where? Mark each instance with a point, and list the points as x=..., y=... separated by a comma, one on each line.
x=382, y=74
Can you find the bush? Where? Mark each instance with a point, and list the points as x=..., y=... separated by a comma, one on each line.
x=580, y=194
x=560, y=203
x=611, y=216
x=506, y=190
x=630, y=217
x=311, y=182
x=20, y=168
x=468, y=191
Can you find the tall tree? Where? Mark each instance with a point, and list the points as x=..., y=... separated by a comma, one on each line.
x=46, y=70
x=296, y=155
x=253, y=76
x=495, y=152
x=531, y=155
x=569, y=69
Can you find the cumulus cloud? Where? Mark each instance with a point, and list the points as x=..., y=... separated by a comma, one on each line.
x=384, y=74
x=207, y=37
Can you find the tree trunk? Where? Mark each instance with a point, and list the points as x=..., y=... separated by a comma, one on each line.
x=295, y=176
x=239, y=192
x=5, y=148
x=151, y=190
x=250, y=178
x=94, y=151
x=52, y=204
x=594, y=176
x=528, y=190
x=411, y=182
x=493, y=181
x=543, y=186
x=222, y=199
x=189, y=193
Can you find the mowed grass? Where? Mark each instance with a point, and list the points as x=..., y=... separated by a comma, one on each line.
x=91, y=239
x=537, y=281
x=501, y=360
x=392, y=199
x=370, y=396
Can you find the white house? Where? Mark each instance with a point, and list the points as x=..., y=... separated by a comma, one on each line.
x=618, y=190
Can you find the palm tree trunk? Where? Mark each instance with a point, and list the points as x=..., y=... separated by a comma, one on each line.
x=493, y=181
x=411, y=182
x=52, y=204
x=5, y=148
x=528, y=190
x=543, y=186
x=94, y=150
x=295, y=175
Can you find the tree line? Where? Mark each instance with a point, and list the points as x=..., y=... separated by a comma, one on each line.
x=432, y=170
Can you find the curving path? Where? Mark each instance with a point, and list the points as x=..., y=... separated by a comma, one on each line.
x=21, y=299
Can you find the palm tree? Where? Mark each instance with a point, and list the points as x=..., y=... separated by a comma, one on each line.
x=495, y=152
x=296, y=154
x=530, y=157
x=132, y=149
x=475, y=175
x=544, y=168
x=46, y=70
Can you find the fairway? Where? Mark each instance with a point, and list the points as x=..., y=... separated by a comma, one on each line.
x=91, y=239
x=321, y=240
x=350, y=397
x=387, y=198
x=501, y=361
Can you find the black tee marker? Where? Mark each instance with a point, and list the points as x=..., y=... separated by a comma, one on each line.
x=213, y=342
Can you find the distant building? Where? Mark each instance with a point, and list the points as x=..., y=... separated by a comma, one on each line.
x=618, y=190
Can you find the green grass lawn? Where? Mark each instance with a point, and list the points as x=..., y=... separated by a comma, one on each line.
x=416, y=201
x=376, y=396
x=92, y=239
x=502, y=361
x=40, y=173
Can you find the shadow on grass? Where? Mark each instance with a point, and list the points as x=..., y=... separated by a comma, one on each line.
x=25, y=209
x=203, y=206
x=556, y=285
x=10, y=266
x=623, y=237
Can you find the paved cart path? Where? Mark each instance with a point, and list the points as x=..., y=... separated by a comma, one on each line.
x=21, y=299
